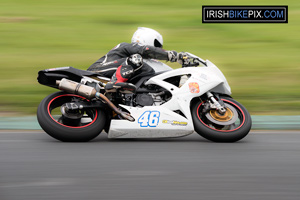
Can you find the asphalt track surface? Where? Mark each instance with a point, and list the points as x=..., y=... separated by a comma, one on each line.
x=265, y=165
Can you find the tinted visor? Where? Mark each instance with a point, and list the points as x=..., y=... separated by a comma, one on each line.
x=157, y=43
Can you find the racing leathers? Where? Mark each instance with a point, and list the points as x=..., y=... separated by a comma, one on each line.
x=115, y=63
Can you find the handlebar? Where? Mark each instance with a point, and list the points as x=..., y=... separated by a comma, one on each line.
x=189, y=61
x=191, y=65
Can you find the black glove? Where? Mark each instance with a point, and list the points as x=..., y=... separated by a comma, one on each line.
x=181, y=57
x=172, y=56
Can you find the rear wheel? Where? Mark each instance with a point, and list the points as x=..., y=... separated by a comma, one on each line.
x=69, y=126
x=232, y=126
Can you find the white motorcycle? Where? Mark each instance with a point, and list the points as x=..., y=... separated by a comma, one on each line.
x=170, y=103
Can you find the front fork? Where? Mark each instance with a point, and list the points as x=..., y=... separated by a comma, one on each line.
x=214, y=104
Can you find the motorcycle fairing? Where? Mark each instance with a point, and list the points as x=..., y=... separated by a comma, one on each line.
x=170, y=123
x=151, y=122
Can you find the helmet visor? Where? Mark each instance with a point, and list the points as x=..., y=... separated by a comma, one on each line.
x=157, y=43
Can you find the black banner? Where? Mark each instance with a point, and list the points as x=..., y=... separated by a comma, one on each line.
x=244, y=14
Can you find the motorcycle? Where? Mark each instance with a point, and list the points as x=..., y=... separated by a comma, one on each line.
x=170, y=103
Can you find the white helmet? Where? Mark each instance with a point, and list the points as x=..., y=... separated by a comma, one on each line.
x=147, y=36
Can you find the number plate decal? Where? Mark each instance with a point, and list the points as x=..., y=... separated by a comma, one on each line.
x=149, y=119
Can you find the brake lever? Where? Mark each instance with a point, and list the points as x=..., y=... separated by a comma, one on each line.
x=196, y=60
x=190, y=62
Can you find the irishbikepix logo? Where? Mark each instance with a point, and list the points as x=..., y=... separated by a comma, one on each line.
x=244, y=14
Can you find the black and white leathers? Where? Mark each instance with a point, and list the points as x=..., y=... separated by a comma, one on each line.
x=108, y=64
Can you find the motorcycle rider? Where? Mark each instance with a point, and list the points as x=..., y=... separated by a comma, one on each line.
x=125, y=60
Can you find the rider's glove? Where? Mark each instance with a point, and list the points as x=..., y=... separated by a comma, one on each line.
x=172, y=56
x=180, y=57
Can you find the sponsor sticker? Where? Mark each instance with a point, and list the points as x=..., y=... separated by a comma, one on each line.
x=174, y=122
x=194, y=87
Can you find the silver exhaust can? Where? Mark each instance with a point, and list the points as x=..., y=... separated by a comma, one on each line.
x=76, y=88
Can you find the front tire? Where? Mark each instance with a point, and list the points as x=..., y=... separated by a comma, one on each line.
x=234, y=125
x=51, y=120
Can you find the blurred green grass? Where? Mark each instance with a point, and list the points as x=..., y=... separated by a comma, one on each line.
x=260, y=61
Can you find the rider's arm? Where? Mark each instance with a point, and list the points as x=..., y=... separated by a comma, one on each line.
x=151, y=52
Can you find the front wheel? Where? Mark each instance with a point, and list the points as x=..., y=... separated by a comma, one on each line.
x=232, y=126
x=77, y=126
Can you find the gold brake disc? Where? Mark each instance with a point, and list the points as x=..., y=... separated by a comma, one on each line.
x=223, y=118
x=228, y=118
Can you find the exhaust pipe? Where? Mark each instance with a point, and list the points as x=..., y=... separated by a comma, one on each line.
x=89, y=93
x=76, y=88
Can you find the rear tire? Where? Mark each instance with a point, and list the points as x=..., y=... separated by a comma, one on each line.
x=207, y=128
x=56, y=128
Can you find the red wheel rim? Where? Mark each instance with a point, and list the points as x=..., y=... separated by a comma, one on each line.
x=223, y=130
x=70, y=95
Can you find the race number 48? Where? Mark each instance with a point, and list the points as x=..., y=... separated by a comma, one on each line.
x=149, y=118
